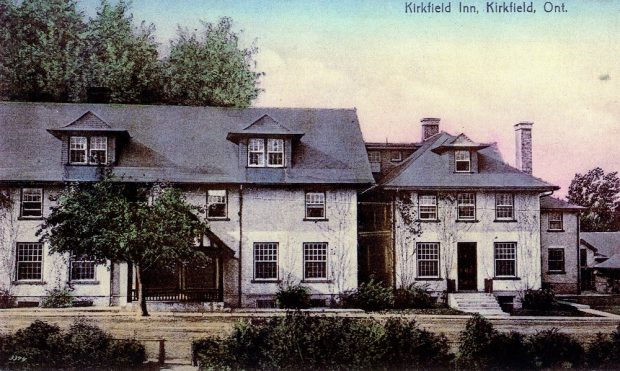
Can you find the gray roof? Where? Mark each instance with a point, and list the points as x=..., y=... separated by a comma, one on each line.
x=552, y=203
x=611, y=263
x=182, y=144
x=426, y=169
x=606, y=243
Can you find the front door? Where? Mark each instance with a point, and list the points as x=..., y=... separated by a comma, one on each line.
x=467, y=266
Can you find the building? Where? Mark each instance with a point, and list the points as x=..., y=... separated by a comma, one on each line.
x=455, y=216
x=600, y=261
x=279, y=187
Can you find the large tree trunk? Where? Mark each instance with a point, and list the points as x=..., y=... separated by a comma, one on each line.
x=141, y=298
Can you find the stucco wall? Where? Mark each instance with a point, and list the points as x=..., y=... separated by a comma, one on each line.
x=561, y=282
x=485, y=231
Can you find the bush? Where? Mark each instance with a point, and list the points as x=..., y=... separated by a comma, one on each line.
x=552, y=349
x=293, y=297
x=371, y=296
x=6, y=299
x=299, y=341
x=57, y=298
x=541, y=299
x=604, y=351
x=82, y=346
x=413, y=296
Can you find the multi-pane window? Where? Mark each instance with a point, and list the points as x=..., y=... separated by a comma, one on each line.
x=462, y=161
x=428, y=259
x=32, y=202
x=427, y=207
x=505, y=259
x=98, y=150
x=216, y=203
x=556, y=260
x=374, y=156
x=555, y=221
x=315, y=260
x=315, y=205
x=77, y=150
x=29, y=261
x=256, y=152
x=275, y=152
x=82, y=268
x=266, y=260
x=466, y=204
x=504, y=206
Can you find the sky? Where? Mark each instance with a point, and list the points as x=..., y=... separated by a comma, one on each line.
x=480, y=73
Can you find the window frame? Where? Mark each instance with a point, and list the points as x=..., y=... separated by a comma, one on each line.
x=549, y=260
x=91, y=149
x=88, y=149
x=261, y=152
x=504, y=206
x=82, y=260
x=457, y=160
x=496, y=259
x=21, y=203
x=460, y=205
x=560, y=220
x=420, y=206
x=255, y=245
x=268, y=152
x=225, y=203
x=85, y=149
x=398, y=158
x=18, y=262
x=374, y=157
x=324, y=262
x=312, y=206
x=436, y=260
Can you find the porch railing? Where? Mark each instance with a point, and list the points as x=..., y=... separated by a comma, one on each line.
x=185, y=295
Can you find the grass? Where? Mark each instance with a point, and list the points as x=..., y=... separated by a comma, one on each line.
x=559, y=310
x=433, y=311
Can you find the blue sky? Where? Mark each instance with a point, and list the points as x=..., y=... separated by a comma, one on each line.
x=480, y=73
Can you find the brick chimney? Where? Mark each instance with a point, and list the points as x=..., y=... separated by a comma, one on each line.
x=430, y=127
x=523, y=131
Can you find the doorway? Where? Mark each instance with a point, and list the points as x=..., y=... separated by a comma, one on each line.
x=467, y=266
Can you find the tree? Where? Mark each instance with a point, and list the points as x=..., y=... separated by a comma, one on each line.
x=118, y=222
x=599, y=193
x=211, y=70
x=122, y=58
x=42, y=46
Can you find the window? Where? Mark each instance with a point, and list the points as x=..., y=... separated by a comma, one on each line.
x=556, y=260
x=374, y=156
x=505, y=259
x=32, y=203
x=98, y=150
x=427, y=207
x=396, y=156
x=216, y=203
x=266, y=260
x=583, y=258
x=77, y=150
x=555, y=221
x=315, y=260
x=29, y=261
x=275, y=152
x=466, y=206
x=256, y=153
x=504, y=206
x=82, y=268
x=428, y=259
x=462, y=161
x=315, y=205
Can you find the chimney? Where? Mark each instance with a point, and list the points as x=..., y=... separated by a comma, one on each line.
x=430, y=127
x=523, y=131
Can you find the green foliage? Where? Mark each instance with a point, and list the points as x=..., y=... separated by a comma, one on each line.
x=7, y=300
x=293, y=297
x=599, y=193
x=41, y=345
x=475, y=342
x=413, y=296
x=211, y=68
x=604, y=351
x=541, y=299
x=371, y=296
x=58, y=298
x=552, y=349
x=299, y=341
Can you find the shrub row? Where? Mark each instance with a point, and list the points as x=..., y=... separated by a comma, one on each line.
x=42, y=345
x=299, y=341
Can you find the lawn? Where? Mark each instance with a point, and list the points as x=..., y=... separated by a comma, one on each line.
x=559, y=310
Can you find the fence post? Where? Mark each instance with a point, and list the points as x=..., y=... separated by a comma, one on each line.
x=162, y=352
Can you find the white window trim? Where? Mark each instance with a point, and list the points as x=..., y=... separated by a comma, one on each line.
x=326, y=261
x=17, y=262
x=495, y=259
x=90, y=151
x=420, y=205
x=277, y=261
x=399, y=158
x=374, y=157
x=315, y=206
x=225, y=204
x=459, y=205
x=497, y=206
x=456, y=160
x=418, y=260
x=21, y=206
x=267, y=152
x=74, y=260
x=561, y=220
x=563, y=259
x=85, y=149
x=250, y=152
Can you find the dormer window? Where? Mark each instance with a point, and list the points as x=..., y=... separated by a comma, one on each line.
x=273, y=153
x=97, y=153
x=462, y=161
